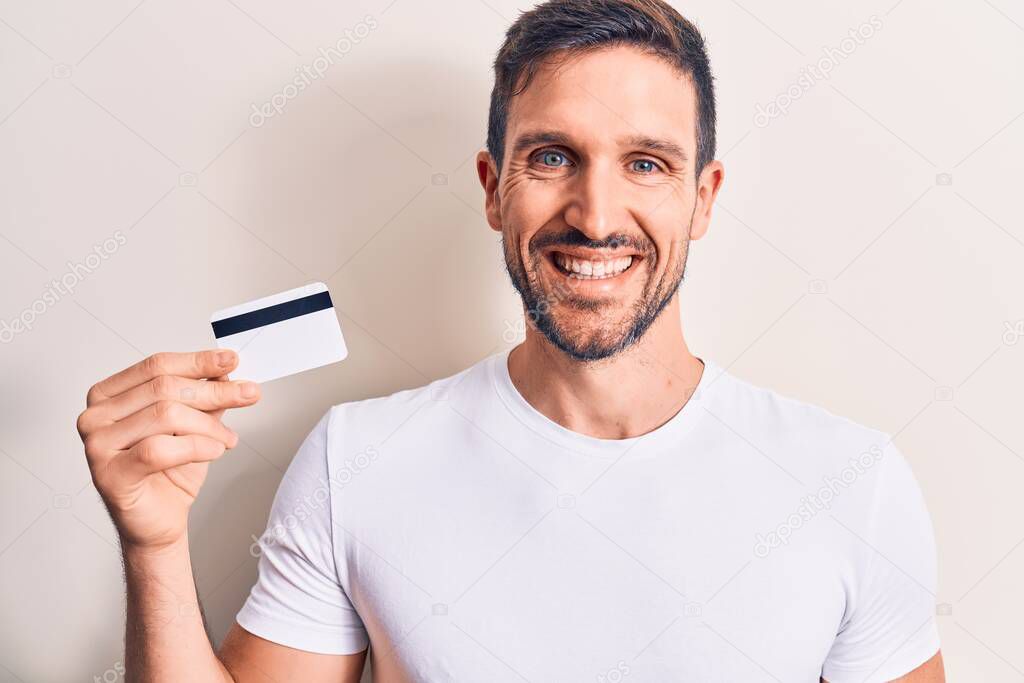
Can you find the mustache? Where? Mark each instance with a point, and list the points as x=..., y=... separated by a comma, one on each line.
x=575, y=238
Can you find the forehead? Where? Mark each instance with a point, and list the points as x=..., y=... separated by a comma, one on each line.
x=606, y=94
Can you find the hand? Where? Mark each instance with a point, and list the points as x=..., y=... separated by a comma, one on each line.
x=150, y=433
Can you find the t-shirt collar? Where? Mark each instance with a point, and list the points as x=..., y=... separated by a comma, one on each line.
x=667, y=434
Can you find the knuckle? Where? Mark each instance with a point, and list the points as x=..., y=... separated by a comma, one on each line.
x=156, y=364
x=92, y=450
x=222, y=391
x=165, y=410
x=162, y=386
x=83, y=424
x=148, y=451
x=93, y=395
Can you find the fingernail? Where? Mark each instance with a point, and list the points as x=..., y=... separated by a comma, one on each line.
x=224, y=358
x=249, y=390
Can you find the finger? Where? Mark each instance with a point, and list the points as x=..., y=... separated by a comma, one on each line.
x=195, y=364
x=219, y=413
x=162, y=417
x=200, y=394
x=162, y=451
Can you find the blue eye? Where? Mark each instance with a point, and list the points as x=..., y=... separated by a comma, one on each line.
x=549, y=155
x=652, y=166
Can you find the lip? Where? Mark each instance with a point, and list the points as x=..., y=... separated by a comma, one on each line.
x=606, y=285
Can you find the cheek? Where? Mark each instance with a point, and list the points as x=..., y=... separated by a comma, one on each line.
x=523, y=219
x=672, y=249
x=668, y=227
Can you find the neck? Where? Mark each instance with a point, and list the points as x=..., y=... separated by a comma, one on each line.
x=627, y=395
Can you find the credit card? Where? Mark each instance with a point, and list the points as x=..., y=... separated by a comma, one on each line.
x=281, y=334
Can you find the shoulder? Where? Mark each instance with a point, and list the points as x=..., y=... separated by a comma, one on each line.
x=811, y=438
x=353, y=426
x=853, y=471
x=853, y=481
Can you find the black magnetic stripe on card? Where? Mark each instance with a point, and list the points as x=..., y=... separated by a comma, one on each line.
x=272, y=314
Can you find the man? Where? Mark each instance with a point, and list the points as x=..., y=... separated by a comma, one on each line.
x=597, y=504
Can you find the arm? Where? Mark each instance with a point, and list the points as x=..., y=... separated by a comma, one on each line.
x=166, y=640
x=150, y=433
x=251, y=658
x=931, y=671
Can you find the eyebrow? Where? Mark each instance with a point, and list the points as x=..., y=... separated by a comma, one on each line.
x=540, y=137
x=666, y=147
x=554, y=137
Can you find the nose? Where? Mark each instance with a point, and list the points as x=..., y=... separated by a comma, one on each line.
x=596, y=205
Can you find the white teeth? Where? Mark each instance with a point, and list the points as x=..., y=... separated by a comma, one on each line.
x=592, y=270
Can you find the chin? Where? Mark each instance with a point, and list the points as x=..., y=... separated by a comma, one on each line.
x=595, y=339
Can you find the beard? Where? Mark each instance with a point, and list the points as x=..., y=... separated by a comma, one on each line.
x=609, y=331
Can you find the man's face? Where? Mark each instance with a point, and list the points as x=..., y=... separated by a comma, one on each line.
x=597, y=199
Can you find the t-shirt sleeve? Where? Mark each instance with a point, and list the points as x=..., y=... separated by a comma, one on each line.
x=298, y=600
x=889, y=629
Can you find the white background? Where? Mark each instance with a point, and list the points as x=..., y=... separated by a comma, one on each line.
x=865, y=255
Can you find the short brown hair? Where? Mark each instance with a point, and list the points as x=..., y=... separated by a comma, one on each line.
x=579, y=26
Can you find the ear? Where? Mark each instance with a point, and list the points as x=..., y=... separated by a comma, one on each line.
x=488, y=174
x=708, y=185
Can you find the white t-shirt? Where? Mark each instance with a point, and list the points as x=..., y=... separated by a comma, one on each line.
x=467, y=537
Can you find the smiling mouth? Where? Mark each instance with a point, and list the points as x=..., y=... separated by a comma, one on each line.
x=592, y=269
